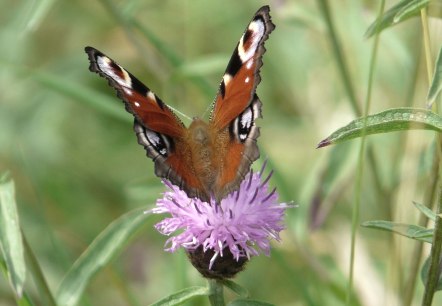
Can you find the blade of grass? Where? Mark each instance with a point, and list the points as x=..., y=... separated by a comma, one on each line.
x=411, y=9
x=358, y=185
x=182, y=296
x=102, y=250
x=11, y=243
x=73, y=90
x=40, y=9
x=34, y=268
x=348, y=86
x=82, y=93
x=339, y=56
x=436, y=83
x=25, y=300
x=239, y=290
x=247, y=302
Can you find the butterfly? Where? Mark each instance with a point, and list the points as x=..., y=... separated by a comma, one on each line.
x=206, y=160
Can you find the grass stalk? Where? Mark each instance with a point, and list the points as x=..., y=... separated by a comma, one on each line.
x=349, y=87
x=39, y=279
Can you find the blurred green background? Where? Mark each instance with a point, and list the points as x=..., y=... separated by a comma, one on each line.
x=69, y=144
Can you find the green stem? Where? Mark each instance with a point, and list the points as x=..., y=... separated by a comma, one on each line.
x=349, y=88
x=415, y=260
x=216, y=295
x=436, y=247
x=426, y=35
x=434, y=270
x=358, y=186
x=339, y=56
x=37, y=274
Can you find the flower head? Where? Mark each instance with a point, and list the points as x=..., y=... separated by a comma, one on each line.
x=238, y=227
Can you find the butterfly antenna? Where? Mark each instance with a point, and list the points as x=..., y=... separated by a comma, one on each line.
x=209, y=107
x=180, y=113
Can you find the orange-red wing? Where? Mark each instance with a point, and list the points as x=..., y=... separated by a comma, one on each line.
x=237, y=88
x=146, y=107
x=157, y=128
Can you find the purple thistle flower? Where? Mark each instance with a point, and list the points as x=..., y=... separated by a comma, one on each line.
x=239, y=227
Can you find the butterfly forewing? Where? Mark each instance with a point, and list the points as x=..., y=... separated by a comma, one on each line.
x=237, y=88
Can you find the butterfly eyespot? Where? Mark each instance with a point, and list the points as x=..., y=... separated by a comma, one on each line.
x=240, y=127
x=158, y=142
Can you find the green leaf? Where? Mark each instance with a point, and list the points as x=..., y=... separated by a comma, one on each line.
x=424, y=273
x=426, y=211
x=408, y=230
x=182, y=296
x=98, y=254
x=239, y=290
x=392, y=120
x=247, y=302
x=436, y=83
x=11, y=243
x=389, y=17
x=411, y=9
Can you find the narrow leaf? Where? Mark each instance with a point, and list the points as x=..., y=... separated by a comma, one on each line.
x=408, y=230
x=392, y=120
x=436, y=83
x=424, y=274
x=71, y=89
x=182, y=296
x=239, y=290
x=426, y=211
x=411, y=9
x=81, y=93
x=388, y=18
x=102, y=250
x=11, y=243
x=39, y=12
x=247, y=302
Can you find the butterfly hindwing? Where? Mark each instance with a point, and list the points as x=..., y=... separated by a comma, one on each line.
x=156, y=126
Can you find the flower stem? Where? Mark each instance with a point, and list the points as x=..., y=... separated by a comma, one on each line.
x=216, y=295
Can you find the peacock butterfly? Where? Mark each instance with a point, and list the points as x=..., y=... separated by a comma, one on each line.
x=206, y=159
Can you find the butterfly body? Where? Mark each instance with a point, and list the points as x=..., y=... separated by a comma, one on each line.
x=207, y=159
